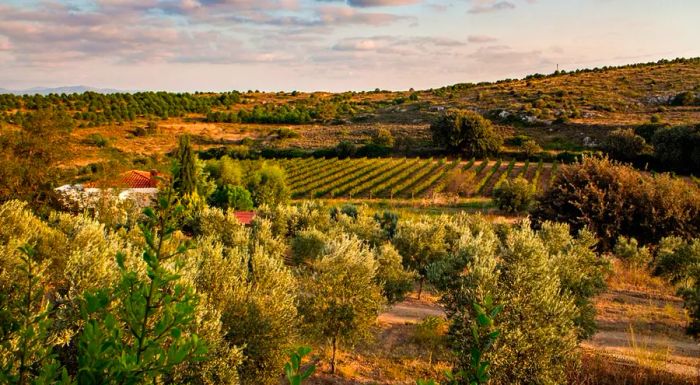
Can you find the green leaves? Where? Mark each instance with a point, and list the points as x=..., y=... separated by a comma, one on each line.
x=139, y=330
x=26, y=346
x=293, y=369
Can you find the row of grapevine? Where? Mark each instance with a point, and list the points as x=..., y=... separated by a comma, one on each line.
x=402, y=177
x=356, y=185
x=339, y=186
x=347, y=167
x=483, y=181
x=381, y=182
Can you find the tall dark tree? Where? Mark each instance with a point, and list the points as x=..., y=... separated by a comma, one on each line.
x=186, y=170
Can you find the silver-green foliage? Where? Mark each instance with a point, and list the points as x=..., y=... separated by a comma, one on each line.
x=543, y=279
x=141, y=329
x=340, y=298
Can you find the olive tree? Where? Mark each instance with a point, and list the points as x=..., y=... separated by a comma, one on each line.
x=420, y=243
x=340, y=297
x=543, y=281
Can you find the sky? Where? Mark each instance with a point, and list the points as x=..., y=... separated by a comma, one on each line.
x=328, y=45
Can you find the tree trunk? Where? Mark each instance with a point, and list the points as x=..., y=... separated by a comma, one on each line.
x=335, y=346
x=420, y=287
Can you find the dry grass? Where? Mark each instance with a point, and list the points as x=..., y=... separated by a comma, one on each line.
x=642, y=323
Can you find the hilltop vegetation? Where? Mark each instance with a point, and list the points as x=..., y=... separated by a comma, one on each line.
x=565, y=112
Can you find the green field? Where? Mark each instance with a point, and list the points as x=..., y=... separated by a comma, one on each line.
x=402, y=178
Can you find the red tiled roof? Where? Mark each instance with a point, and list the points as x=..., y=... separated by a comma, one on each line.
x=138, y=179
x=245, y=217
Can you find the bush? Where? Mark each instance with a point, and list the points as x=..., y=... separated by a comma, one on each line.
x=345, y=149
x=679, y=262
x=687, y=98
x=231, y=197
x=615, y=200
x=514, y=195
x=678, y=148
x=383, y=137
x=307, y=246
x=624, y=144
x=629, y=251
x=647, y=131
x=286, y=133
x=530, y=147
x=98, y=140
x=431, y=332
x=467, y=132
x=544, y=281
x=268, y=186
x=395, y=281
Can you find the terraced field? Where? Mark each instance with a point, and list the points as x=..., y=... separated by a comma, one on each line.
x=402, y=177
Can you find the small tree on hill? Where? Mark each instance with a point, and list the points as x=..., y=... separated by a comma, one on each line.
x=625, y=144
x=466, y=131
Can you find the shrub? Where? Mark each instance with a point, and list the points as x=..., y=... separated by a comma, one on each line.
x=231, y=197
x=383, y=137
x=98, y=140
x=394, y=280
x=431, y=332
x=679, y=261
x=307, y=246
x=345, y=149
x=615, y=200
x=347, y=209
x=530, y=147
x=628, y=250
x=388, y=221
x=537, y=284
x=466, y=131
x=624, y=144
x=687, y=98
x=647, y=131
x=286, y=133
x=514, y=195
x=268, y=186
x=678, y=148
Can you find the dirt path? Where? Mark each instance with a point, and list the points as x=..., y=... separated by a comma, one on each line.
x=410, y=311
x=634, y=326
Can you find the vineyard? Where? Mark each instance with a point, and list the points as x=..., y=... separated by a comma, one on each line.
x=404, y=177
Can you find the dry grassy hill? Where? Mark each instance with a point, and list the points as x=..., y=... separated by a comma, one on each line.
x=560, y=111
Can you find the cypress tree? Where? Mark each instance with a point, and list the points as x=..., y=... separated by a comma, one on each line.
x=186, y=175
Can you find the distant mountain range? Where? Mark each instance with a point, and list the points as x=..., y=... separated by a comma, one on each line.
x=59, y=90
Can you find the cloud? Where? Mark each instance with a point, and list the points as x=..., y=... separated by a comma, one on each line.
x=381, y=3
x=491, y=6
x=481, y=39
x=373, y=3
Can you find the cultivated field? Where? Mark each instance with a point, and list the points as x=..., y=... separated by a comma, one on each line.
x=405, y=178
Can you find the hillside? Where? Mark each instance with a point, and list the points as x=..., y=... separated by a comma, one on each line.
x=559, y=111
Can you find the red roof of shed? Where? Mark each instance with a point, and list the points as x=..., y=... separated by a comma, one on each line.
x=138, y=179
x=245, y=217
